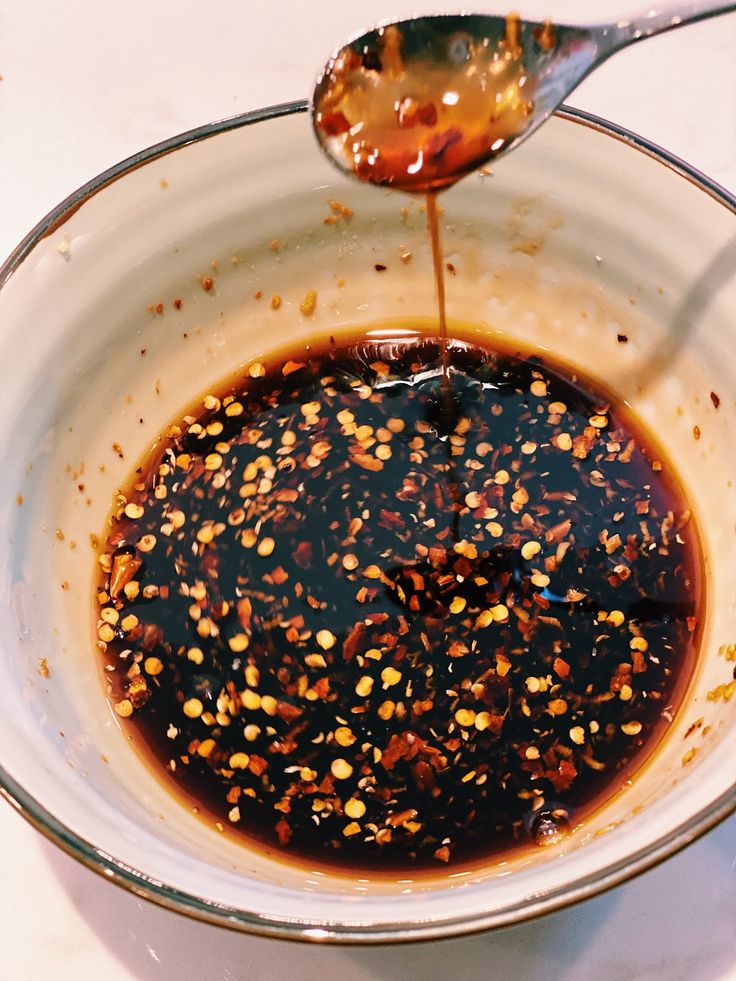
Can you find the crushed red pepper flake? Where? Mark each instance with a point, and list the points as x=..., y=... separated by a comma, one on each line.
x=369, y=656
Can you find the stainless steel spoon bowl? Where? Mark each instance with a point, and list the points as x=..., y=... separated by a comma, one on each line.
x=418, y=103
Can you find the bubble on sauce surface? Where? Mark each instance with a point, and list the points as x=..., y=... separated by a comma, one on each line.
x=549, y=824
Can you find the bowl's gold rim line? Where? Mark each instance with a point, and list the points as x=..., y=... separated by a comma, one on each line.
x=284, y=928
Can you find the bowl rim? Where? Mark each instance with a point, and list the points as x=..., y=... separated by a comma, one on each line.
x=287, y=928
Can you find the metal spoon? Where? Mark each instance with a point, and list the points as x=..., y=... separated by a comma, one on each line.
x=418, y=103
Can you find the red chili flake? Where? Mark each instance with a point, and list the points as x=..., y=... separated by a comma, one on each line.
x=495, y=724
x=693, y=728
x=621, y=677
x=369, y=168
x=638, y=662
x=152, y=635
x=303, y=555
x=124, y=568
x=622, y=338
x=427, y=114
x=558, y=532
x=322, y=687
x=562, y=778
x=177, y=303
x=257, y=765
x=332, y=123
x=285, y=746
x=561, y=668
x=219, y=610
x=696, y=432
x=401, y=817
x=389, y=640
x=353, y=641
x=377, y=617
x=438, y=144
x=692, y=623
x=715, y=399
x=631, y=552
x=584, y=443
x=379, y=267
x=417, y=581
x=411, y=113
x=290, y=367
x=401, y=746
x=458, y=648
x=283, y=830
x=288, y=712
x=460, y=567
x=327, y=786
x=245, y=612
x=545, y=36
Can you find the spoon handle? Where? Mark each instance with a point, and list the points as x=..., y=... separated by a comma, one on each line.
x=656, y=21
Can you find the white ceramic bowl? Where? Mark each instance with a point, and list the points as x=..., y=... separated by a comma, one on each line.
x=629, y=241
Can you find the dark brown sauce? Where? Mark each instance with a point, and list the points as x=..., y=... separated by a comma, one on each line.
x=439, y=284
x=361, y=627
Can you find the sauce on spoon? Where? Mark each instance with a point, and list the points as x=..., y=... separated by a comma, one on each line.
x=414, y=111
x=419, y=112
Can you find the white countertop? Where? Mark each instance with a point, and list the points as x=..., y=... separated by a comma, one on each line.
x=88, y=82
